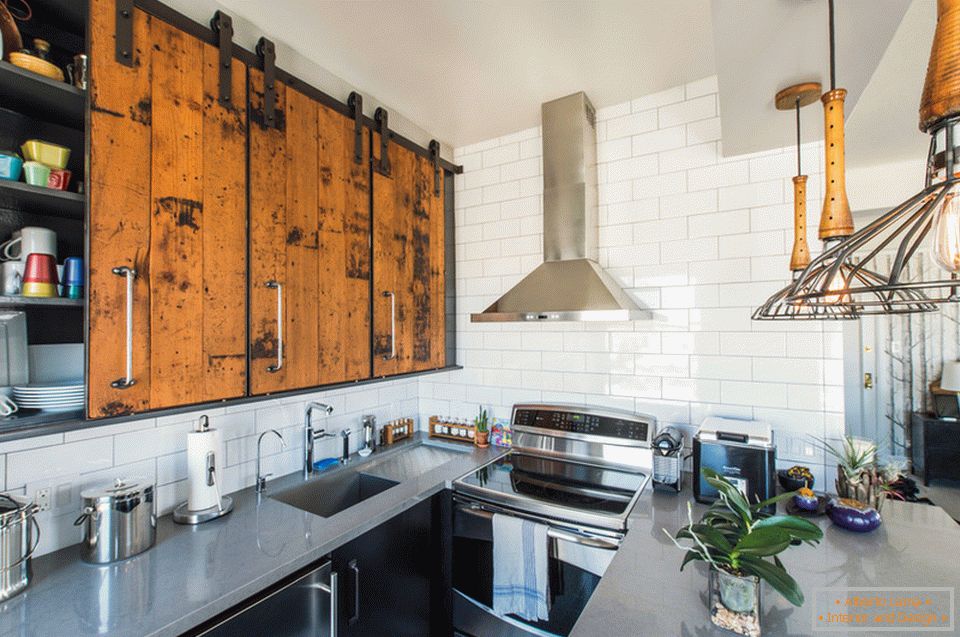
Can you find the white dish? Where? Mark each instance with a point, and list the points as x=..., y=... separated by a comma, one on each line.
x=41, y=405
x=57, y=394
x=45, y=392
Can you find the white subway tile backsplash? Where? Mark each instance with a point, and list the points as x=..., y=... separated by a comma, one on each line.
x=46, y=463
x=690, y=110
x=668, y=96
x=657, y=141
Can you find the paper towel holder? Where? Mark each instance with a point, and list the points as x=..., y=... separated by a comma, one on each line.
x=183, y=514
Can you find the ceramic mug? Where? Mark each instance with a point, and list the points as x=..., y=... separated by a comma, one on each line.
x=30, y=240
x=11, y=278
x=7, y=406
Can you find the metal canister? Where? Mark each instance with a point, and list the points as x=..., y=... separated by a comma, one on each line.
x=119, y=521
x=19, y=537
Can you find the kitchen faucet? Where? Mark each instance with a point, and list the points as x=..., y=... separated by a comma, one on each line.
x=309, y=435
x=262, y=480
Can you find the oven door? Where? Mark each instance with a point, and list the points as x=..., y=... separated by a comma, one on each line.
x=578, y=559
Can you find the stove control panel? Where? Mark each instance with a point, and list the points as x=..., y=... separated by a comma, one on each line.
x=592, y=422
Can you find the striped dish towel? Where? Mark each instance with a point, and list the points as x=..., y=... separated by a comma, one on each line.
x=520, y=578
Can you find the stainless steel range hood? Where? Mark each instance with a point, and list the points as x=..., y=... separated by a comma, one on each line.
x=569, y=285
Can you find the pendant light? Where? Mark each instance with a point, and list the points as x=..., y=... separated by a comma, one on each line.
x=777, y=307
x=844, y=277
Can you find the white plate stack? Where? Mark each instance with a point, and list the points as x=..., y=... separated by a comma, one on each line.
x=65, y=396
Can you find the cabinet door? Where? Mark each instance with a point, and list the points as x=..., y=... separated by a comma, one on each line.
x=309, y=246
x=386, y=576
x=167, y=200
x=408, y=266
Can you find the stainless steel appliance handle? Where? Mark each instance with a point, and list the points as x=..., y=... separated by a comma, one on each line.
x=333, y=588
x=393, y=325
x=584, y=540
x=356, y=592
x=334, y=602
x=128, y=380
x=276, y=285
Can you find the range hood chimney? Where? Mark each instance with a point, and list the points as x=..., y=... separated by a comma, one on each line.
x=569, y=285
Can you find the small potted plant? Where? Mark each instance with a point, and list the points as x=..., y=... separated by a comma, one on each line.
x=482, y=426
x=858, y=477
x=734, y=537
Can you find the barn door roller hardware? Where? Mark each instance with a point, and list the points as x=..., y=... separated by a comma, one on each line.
x=380, y=115
x=124, y=29
x=222, y=25
x=435, y=157
x=355, y=102
x=268, y=56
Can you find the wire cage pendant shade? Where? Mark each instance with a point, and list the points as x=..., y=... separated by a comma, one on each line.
x=874, y=271
x=869, y=272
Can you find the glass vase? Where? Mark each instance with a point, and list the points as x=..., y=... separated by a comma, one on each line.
x=735, y=602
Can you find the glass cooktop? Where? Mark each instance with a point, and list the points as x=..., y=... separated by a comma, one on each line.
x=563, y=483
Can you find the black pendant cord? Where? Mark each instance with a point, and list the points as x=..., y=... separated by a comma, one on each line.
x=799, y=171
x=833, y=49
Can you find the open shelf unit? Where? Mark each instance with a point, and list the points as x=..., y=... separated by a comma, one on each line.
x=42, y=201
x=35, y=107
x=40, y=97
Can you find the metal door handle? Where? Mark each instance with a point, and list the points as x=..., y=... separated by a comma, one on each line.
x=393, y=325
x=128, y=380
x=356, y=592
x=279, y=288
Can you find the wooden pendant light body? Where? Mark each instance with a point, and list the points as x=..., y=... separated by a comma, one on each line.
x=835, y=220
x=941, y=90
x=800, y=257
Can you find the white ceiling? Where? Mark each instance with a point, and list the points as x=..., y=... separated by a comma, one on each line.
x=762, y=47
x=469, y=70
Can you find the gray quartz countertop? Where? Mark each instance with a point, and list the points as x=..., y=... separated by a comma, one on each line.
x=195, y=573
x=644, y=593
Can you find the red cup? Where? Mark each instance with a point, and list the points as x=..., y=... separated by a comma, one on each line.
x=59, y=179
x=40, y=268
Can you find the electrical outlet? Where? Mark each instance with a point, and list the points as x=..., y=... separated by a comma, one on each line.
x=42, y=499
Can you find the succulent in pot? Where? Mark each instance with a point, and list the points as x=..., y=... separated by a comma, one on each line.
x=737, y=539
x=859, y=476
x=806, y=499
x=482, y=428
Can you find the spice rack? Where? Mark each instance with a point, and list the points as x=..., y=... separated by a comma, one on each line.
x=396, y=430
x=442, y=428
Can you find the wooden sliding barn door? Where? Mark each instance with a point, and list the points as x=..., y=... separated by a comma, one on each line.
x=408, y=271
x=309, y=246
x=167, y=218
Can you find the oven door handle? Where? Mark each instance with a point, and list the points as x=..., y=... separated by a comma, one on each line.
x=552, y=533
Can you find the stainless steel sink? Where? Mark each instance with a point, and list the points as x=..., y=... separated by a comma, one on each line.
x=413, y=462
x=328, y=496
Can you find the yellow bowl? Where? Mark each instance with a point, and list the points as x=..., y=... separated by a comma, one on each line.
x=36, y=65
x=46, y=153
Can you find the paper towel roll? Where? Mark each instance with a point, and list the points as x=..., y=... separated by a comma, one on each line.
x=199, y=444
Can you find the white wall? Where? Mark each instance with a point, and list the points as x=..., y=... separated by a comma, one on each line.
x=155, y=449
x=700, y=239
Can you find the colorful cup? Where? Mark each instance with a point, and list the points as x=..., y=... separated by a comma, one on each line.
x=36, y=174
x=40, y=276
x=73, y=278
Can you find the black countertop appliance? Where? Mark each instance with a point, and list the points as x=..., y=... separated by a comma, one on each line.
x=742, y=451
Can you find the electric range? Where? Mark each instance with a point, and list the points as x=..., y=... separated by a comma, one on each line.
x=585, y=465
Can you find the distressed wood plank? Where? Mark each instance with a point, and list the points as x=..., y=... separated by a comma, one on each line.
x=176, y=237
x=344, y=264
x=267, y=237
x=408, y=260
x=119, y=183
x=225, y=232
x=301, y=241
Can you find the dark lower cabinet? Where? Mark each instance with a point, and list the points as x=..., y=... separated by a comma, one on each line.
x=936, y=448
x=390, y=577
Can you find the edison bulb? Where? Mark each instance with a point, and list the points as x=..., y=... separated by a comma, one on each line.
x=946, y=234
x=837, y=285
